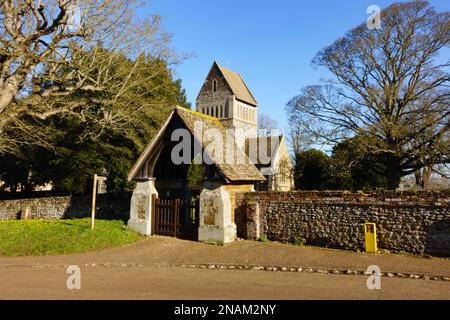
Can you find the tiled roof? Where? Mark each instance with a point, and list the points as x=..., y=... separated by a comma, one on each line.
x=244, y=170
x=237, y=85
x=272, y=143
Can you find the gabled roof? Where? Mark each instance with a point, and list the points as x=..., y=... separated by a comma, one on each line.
x=266, y=141
x=236, y=84
x=237, y=171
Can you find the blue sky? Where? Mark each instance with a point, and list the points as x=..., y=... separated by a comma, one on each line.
x=270, y=43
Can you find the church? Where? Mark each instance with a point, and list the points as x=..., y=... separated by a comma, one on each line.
x=226, y=96
x=166, y=201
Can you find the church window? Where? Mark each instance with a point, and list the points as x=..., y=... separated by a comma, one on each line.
x=221, y=111
x=214, y=85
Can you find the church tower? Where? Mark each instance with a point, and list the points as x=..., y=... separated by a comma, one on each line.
x=225, y=95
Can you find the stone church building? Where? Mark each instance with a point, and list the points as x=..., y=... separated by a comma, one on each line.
x=225, y=95
x=235, y=159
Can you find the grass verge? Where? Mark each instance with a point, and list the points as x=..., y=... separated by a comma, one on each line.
x=53, y=237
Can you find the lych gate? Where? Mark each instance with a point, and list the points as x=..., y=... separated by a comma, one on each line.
x=165, y=203
x=175, y=217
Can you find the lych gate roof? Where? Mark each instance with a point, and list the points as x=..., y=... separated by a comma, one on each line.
x=237, y=85
x=237, y=171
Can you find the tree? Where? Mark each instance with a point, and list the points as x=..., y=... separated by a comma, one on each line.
x=49, y=50
x=311, y=170
x=389, y=88
x=266, y=124
x=79, y=146
x=353, y=169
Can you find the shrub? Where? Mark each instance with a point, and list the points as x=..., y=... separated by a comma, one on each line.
x=298, y=241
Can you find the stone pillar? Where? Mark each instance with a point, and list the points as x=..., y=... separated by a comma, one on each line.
x=216, y=223
x=253, y=221
x=141, y=214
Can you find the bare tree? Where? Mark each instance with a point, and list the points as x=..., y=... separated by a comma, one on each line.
x=298, y=139
x=389, y=88
x=51, y=49
x=266, y=124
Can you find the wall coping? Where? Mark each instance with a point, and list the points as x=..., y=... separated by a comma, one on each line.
x=385, y=198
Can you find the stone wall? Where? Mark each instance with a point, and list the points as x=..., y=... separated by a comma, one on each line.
x=109, y=206
x=410, y=222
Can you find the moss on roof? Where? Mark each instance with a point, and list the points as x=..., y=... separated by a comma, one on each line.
x=237, y=171
x=244, y=170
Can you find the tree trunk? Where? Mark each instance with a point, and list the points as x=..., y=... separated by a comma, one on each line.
x=7, y=93
x=423, y=177
x=419, y=178
x=5, y=99
x=426, y=177
x=392, y=173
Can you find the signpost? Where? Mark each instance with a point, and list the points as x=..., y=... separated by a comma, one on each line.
x=94, y=198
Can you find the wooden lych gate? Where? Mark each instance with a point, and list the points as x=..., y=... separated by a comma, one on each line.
x=176, y=218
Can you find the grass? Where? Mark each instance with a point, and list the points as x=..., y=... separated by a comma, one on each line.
x=53, y=237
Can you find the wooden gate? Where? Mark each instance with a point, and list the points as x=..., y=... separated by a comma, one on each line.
x=175, y=218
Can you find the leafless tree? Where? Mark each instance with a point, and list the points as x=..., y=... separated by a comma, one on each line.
x=299, y=139
x=266, y=124
x=50, y=49
x=390, y=87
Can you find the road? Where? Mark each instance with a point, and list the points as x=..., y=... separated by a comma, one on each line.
x=152, y=269
x=117, y=282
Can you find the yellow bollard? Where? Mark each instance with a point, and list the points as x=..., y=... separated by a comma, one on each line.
x=371, y=237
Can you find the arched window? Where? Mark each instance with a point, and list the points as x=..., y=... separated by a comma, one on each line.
x=221, y=111
x=217, y=111
x=214, y=85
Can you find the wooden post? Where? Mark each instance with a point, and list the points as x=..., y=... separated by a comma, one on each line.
x=153, y=214
x=94, y=198
x=157, y=212
x=176, y=208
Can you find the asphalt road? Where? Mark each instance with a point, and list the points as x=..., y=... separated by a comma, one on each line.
x=117, y=282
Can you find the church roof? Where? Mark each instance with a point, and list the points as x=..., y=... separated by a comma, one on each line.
x=272, y=143
x=237, y=85
x=243, y=170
